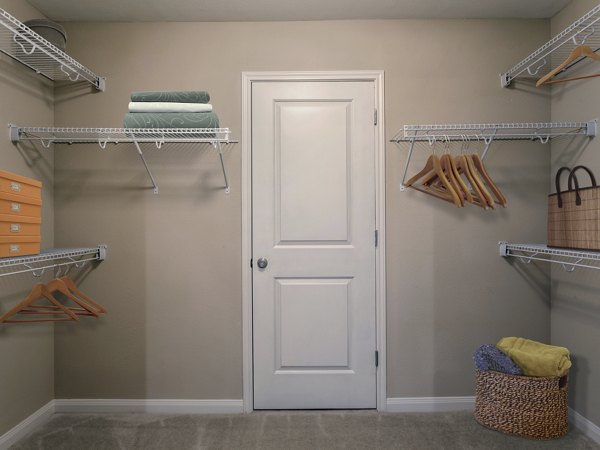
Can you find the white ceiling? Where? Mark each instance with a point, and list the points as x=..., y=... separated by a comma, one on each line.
x=267, y=10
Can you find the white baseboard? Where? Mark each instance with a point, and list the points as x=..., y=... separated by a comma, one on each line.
x=588, y=428
x=430, y=404
x=31, y=423
x=159, y=406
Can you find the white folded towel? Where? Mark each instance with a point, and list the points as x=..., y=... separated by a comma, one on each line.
x=159, y=107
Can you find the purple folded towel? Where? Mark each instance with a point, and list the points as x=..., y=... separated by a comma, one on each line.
x=489, y=357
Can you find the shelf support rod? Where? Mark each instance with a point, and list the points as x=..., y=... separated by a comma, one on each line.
x=137, y=146
x=217, y=145
x=410, y=152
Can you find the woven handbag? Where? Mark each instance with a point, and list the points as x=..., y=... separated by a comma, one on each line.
x=534, y=407
x=574, y=214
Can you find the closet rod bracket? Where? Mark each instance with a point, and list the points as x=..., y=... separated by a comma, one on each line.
x=101, y=84
x=502, y=247
x=102, y=252
x=15, y=135
x=592, y=128
x=505, y=79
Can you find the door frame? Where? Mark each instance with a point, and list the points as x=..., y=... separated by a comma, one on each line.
x=377, y=77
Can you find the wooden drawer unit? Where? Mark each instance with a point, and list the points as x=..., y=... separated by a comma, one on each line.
x=19, y=205
x=19, y=225
x=19, y=246
x=11, y=183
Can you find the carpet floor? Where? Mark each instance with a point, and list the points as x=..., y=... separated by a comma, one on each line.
x=282, y=431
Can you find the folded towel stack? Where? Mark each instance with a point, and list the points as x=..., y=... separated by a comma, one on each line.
x=171, y=109
x=516, y=356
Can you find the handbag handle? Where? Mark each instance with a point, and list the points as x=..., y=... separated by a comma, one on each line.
x=573, y=179
x=557, y=183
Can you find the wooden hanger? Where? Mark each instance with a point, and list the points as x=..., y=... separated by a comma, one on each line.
x=57, y=285
x=450, y=168
x=27, y=306
x=479, y=182
x=457, y=176
x=448, y=193
x=426, y=170
x=581, y=51
x=73, y=288
x=476, y=192
x=478, y=163
x=434, y=183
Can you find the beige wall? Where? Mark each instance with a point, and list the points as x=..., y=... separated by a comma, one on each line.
x=172, y=281
x=26, y=351
x=575, y=306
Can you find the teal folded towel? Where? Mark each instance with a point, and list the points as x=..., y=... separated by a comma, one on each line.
x=171, y=96
x=171, y=120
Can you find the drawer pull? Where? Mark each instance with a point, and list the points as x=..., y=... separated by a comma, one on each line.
x=14, y=248
x=15, y=228
x=15, y=207
x=15, y=187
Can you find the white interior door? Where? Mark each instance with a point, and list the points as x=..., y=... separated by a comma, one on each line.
x=313, y=224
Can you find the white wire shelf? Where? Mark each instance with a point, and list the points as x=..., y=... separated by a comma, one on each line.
x=568, y=259
x=47, y=136
x=585, y=30
x=49, y=259
x=486, y=133
x=494, y=131
x=102, y=136
x=29, y=48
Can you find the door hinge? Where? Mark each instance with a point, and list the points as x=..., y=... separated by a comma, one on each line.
x=375, y=118
x=376, y=238
x=251, y=263
x=376, y=358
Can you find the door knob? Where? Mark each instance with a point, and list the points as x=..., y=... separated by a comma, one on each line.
x=262, y=263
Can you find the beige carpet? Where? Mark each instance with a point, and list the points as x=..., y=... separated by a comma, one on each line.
x=282, y=431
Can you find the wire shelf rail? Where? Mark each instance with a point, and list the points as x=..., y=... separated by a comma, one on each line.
x=585, y=30
x=486, y=133
x=47, y=136
x=30, y=49
x=49, y=259
x=102, y=136
x=568, y=259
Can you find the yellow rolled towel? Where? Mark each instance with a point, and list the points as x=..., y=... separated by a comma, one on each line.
x=536, y=359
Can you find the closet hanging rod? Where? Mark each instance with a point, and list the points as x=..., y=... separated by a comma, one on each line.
x=57, y=258
x=568, y=259
x=487, y=133
x=32, y=50
x=585, y=30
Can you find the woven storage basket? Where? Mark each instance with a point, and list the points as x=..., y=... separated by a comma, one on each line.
x=535, y=407
x=574, y=214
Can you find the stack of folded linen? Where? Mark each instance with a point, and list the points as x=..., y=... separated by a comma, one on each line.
x=171, y=109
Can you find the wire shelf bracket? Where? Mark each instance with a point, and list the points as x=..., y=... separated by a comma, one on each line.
x=30, y=49
x=486, y=134
x=568, y=259
x=46, y=136
x=585, y=30
x=49, y=259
